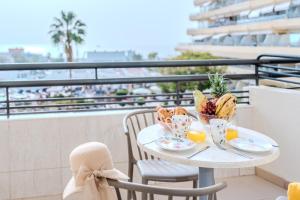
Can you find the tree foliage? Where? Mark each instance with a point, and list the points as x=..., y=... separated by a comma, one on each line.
x=66, y=30
x=137, y=57
x=152, y=56
x=193, y=70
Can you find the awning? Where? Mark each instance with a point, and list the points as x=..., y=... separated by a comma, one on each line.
x=254, y=13
x=201, y=37
x=267, y=9
x=282, y=6
x=218, y=36
x=244, y=13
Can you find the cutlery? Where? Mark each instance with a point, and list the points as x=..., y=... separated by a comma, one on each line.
x=252, y=141
x=151, y=141
x=233, y=151
x=239, y=153
x=190, y=156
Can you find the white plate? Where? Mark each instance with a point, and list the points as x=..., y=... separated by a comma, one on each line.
x=257, y=145
x=174, y=144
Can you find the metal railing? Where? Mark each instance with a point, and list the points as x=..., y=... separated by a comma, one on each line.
x=264, y=67
x=280, y=73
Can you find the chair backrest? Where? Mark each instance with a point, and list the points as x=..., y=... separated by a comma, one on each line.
x=163, y=191
x=133, y=123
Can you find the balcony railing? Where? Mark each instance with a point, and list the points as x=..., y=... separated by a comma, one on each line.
x=264, y=67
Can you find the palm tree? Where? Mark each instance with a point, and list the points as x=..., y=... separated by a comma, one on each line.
x=152, y=56
x=67, y=30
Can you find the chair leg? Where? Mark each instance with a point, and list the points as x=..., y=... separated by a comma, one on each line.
x=151, y=197
x=130, y=174
x=195, y=185
x=215, y=196
x=144, y=195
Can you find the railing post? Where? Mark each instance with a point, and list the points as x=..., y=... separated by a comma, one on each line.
x=96, y=73
x=7, y=102
x=177, y=93
x=256, y=75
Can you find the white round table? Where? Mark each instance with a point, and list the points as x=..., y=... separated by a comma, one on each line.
x=211, y=158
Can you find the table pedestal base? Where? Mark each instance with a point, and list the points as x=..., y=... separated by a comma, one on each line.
x=206, y=178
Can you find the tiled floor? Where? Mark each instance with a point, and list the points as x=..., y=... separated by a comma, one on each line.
x=238, y=188
x=250, y=188
x=242, y=188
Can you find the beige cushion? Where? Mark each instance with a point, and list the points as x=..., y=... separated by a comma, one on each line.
x=161, y=170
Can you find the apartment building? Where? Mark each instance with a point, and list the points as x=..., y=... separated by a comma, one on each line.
x=245, y=28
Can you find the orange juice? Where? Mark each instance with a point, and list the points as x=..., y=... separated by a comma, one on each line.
x=196, y=136
x=231, y=134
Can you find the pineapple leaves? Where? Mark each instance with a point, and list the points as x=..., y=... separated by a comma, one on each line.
x=218, y=85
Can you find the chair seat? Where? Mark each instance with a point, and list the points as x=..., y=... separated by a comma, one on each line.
x=161, y=170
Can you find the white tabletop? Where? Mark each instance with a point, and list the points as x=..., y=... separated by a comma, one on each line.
x=213, y=157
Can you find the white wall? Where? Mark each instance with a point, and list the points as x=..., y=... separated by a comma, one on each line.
x=34, y=151
x=276, y=112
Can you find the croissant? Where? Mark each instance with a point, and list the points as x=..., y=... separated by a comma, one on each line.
x=180, y=111
x=165, y=114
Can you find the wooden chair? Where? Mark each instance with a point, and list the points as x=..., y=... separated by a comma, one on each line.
x=149, y=168
x=163, y=191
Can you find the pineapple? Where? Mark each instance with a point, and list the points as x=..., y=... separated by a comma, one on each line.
x=218, y=85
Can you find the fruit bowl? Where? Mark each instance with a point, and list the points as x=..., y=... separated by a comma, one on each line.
x=204, y=118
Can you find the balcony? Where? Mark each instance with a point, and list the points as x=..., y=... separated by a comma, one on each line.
x=277, y=26
x=234, y=8
x=245, y=52
x=200, y=2
x=38, y=133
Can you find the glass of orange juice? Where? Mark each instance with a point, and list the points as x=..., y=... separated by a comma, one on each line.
x=231, y=133
x=196, y=136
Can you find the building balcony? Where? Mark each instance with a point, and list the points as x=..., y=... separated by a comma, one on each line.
x=237, y=51
x=200, y=2
x=234, y=9
x=38, y=134
x=276, y=26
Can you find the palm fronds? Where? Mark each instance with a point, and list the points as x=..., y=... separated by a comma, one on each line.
x=66, y=30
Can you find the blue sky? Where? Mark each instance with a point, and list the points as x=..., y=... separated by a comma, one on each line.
x=141, y=25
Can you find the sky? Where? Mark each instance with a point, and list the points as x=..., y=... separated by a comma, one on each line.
x=140, y=25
